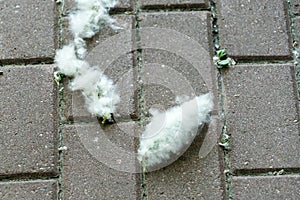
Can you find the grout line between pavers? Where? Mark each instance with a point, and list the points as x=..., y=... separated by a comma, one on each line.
x=262, y=61
x=61, y=106
x=141, y=96
x=171, y=7
x=174, y=9
x=296, y=49
x=267, y=172
x=27, y=178
x=225, y=136
x=24, y=62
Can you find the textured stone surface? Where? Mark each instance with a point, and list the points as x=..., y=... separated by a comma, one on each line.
x=27, y=30
x=28, y=120
x=262, y=116
x=277, y=188
x=28, y=190
x=189, y=177
x=297, y=28
x=175, y=3
x=167, y=76
x=254, y=29
x=122, y=5
x=170, y=69
x=111, y=52
x=90, y=169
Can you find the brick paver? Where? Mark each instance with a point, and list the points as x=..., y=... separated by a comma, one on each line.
x=188, y=178
x=170, y=72
x=260, y=187
x=27, y=30
x=123, y=5
x=28, y=190
x=87, y=176
x=262, y=116
x=117, y=63
x=254, y=29
x=28, y=120
x=70, y=155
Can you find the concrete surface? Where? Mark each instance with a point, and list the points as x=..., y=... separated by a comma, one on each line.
x=28, y=31
x=51, y=148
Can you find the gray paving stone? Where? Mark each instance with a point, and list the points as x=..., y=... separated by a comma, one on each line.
x=125, y=5
x=254, y=29
x=91, y=170
x=174, y=3
x=277, y=188
x=189, y=177
x=28, y=190
x=297, y=28
x=262, y=117
x=28, y=120
x=111, y=52
x=169, y=77
x=170, y=70
x=70, y=5
x=27, y=30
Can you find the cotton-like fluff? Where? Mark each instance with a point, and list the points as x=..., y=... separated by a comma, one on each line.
x=98, y=89
x=67, y=61
x=99, y=92
x=90, y=14
x=170, y=133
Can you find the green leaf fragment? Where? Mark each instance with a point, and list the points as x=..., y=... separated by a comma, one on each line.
x=223, y=63
x=130, y=13
x=221, y=53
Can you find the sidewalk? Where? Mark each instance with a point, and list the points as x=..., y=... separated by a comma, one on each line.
x=52, y=148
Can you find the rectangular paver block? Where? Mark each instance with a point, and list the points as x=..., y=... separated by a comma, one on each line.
x=27, y=30
x=189, y=177
x=110, y=51
x=28, y=120
x=276, y=188
x=174, y=3
x=99, y=162
x=70, y=5
x=254, y=29
x=46, y=190
x=262, y=117
x=176, y=56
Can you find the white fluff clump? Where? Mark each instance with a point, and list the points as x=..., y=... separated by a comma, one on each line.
x=98, y=90
x=170, y=133
x=67, y=61
x=90, y=14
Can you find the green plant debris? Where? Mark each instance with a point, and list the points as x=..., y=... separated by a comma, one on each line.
x=222, y=60
x=221, y=54
x=144, y=168
x=130, y=13
x=225, y=141
x=58, y=76
x=281, y=172
x=107, y=119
